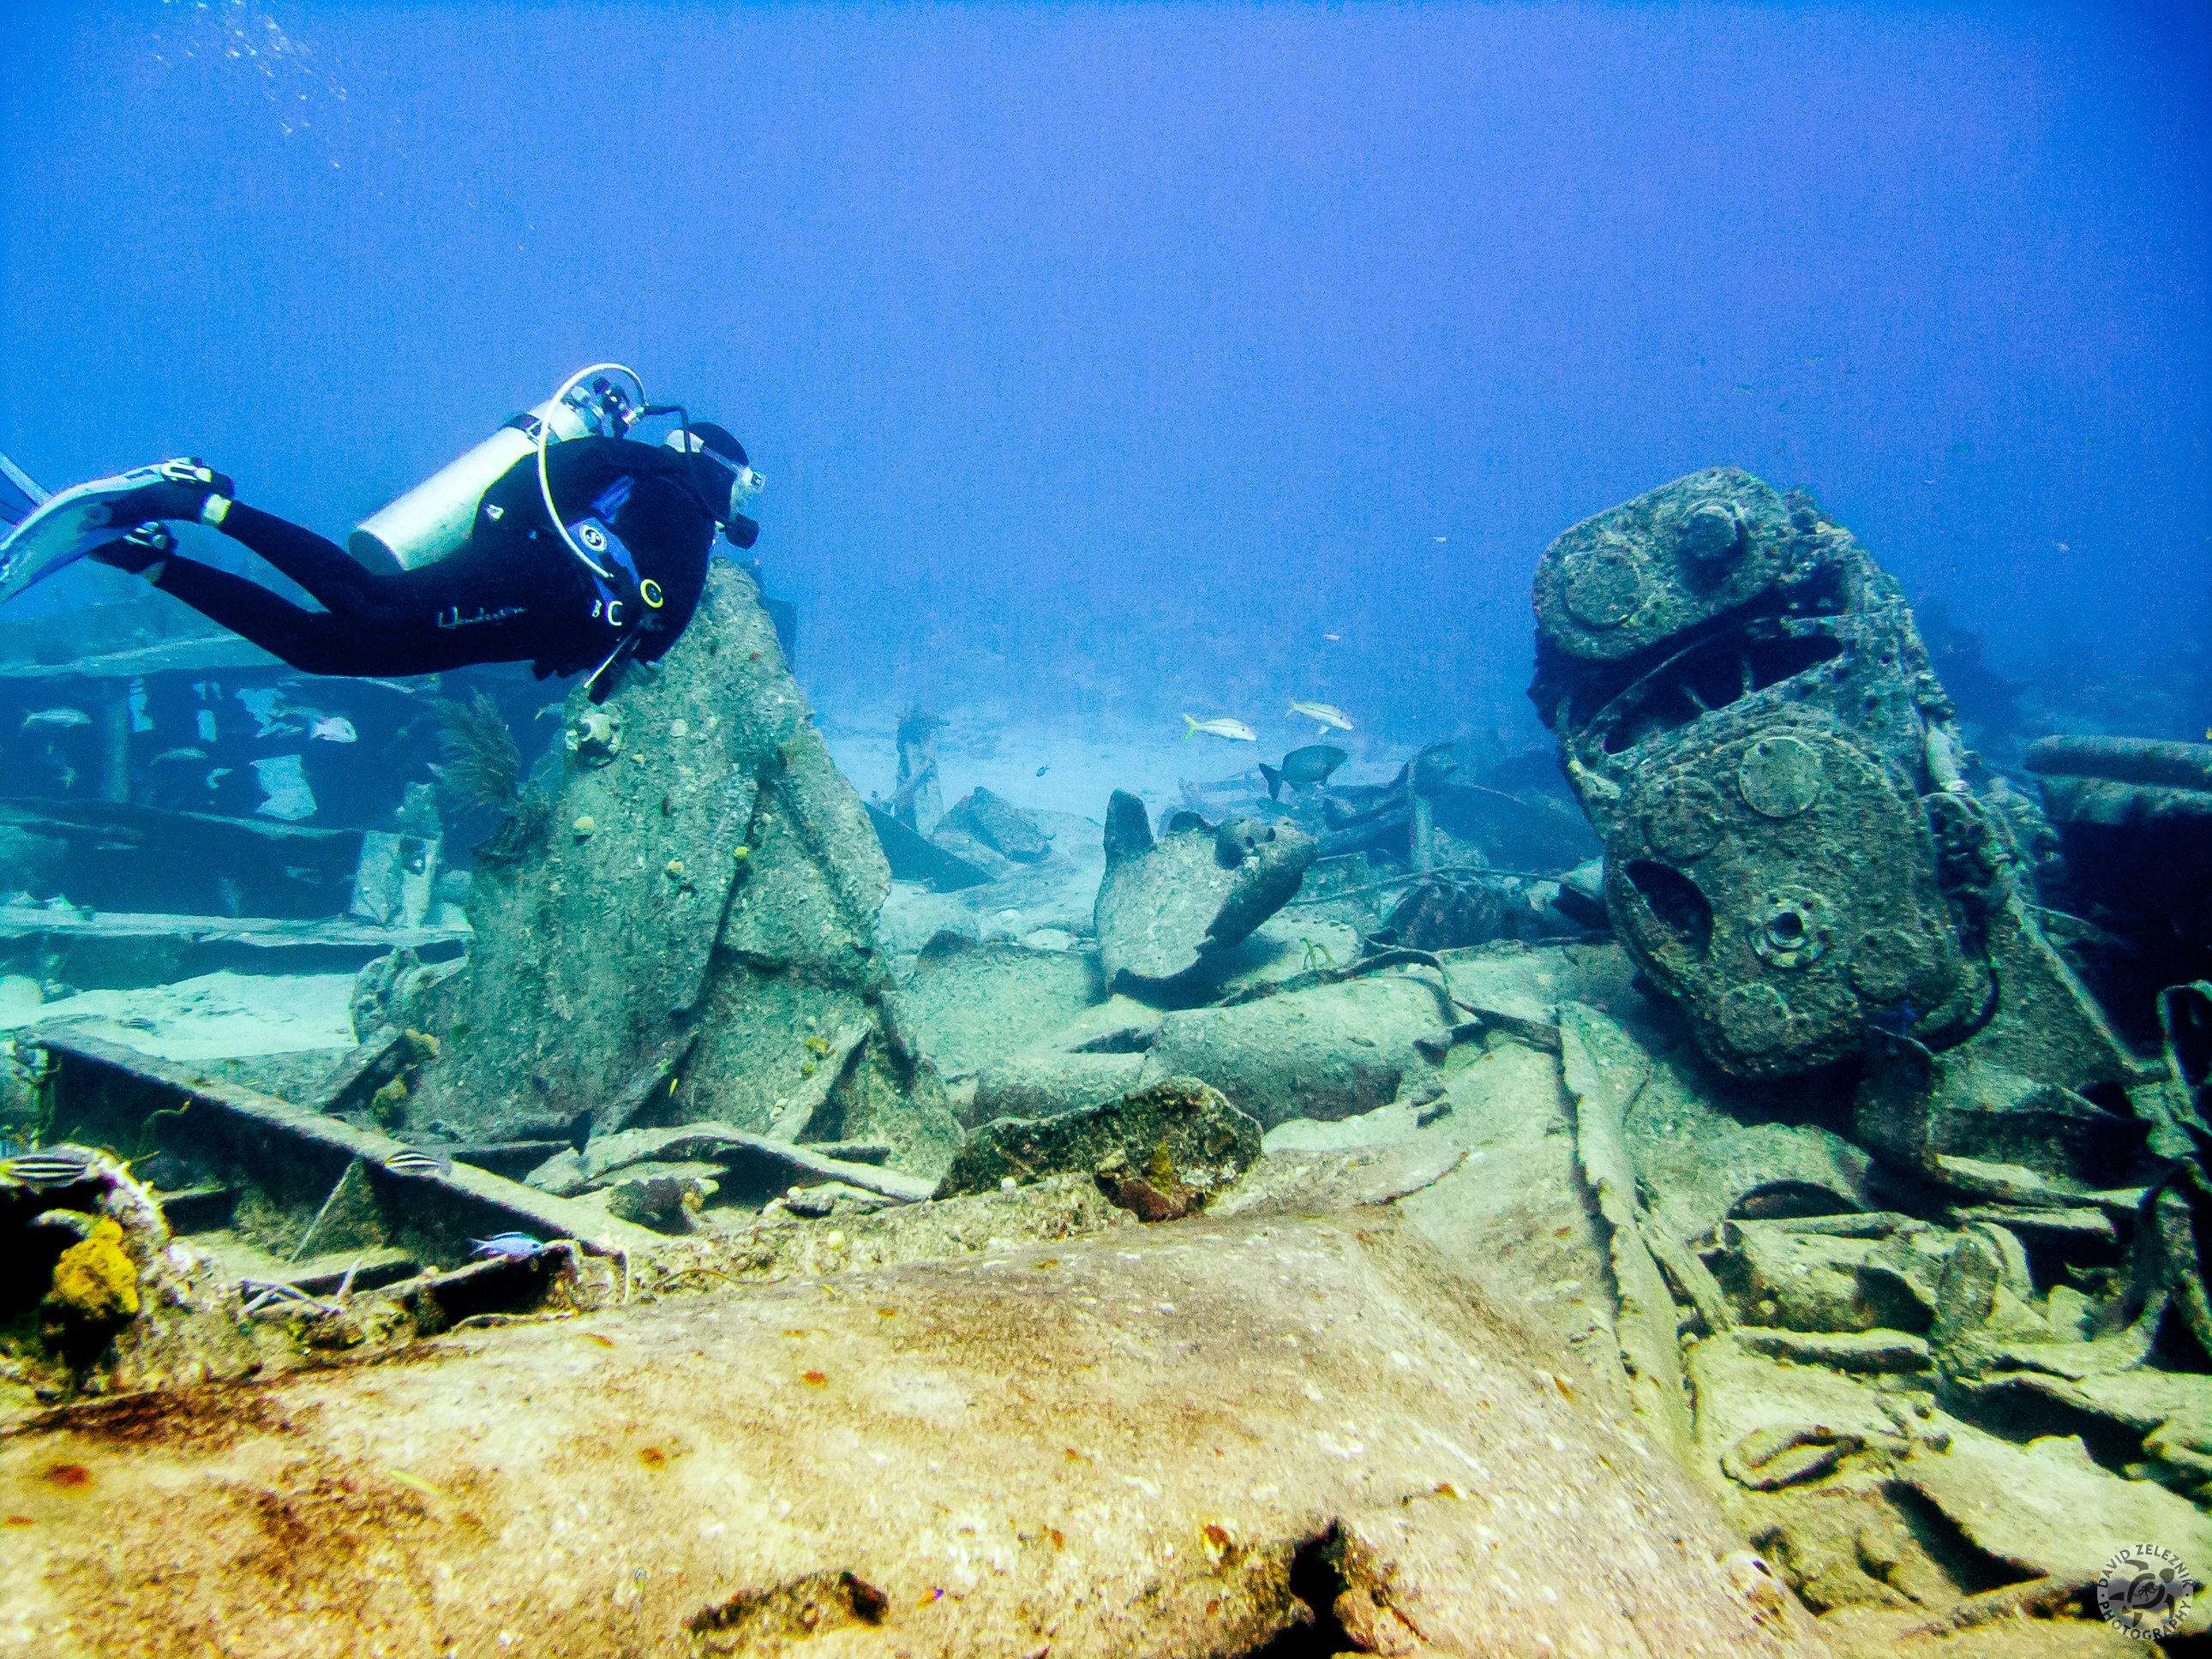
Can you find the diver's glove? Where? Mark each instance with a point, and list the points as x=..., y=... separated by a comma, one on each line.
x=142, y=552
x=183, y=492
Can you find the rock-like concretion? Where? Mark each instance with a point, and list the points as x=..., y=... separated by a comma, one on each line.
x=1000, y=825
x=703, y=949
x=1325, y=1051
x=756, y=1161
x=1118, y=1443
x=1205, y=1139
x=1165, y=906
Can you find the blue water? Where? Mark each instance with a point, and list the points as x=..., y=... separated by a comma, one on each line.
x=1106, y=358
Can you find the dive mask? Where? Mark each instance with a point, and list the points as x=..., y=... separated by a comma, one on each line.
x=744, y=483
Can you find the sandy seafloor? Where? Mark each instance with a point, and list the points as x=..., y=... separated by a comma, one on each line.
x=228, y=1015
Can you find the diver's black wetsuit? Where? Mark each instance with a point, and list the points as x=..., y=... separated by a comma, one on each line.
x=512, y=593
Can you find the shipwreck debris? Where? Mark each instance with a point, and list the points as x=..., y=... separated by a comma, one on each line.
x=2134, y=815
x=296, y=1155
x=1156, y=1149
x=1166, y=907
x=666, y=969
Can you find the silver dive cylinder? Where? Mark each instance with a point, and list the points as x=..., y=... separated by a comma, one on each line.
x=436, y=516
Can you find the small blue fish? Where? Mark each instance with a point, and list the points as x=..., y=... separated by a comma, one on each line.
x=1046, y=768
x=1898, y=1021
x=511, y=1246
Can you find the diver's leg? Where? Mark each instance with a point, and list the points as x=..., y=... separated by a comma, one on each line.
x=190, y=490
x=477, y=588
x=472, y=606
x=341, y=640
x=338, y=582
x=314, y=641
x=462, y=609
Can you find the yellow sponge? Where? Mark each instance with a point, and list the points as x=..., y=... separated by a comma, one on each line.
x=95, y=1281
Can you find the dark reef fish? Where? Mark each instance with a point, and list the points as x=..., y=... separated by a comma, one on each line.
x=1302, y=767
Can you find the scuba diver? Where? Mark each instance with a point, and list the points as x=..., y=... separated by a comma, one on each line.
x=585, y=548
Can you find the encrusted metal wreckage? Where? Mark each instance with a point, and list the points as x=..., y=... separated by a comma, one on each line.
x=1361, y=1228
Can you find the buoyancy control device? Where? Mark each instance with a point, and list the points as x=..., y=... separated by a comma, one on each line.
x=435, y=517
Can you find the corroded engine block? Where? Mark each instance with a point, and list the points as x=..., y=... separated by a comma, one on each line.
x=1751, y=720
x=1781, y=880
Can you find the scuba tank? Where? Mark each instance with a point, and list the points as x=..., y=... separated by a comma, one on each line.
x=436, y=516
